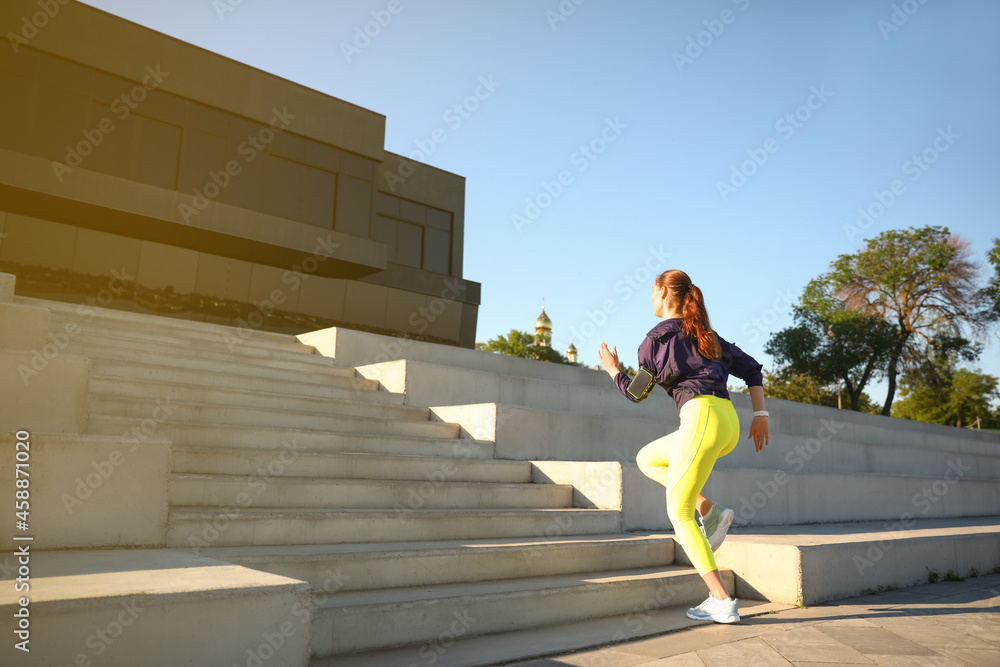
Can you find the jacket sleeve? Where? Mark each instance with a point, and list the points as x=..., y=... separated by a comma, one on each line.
x=655, y=356
x=645, y=359
x=741, y=364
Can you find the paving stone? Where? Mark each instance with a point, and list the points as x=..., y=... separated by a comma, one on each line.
x=874, y=640
x=917, y=661
x=683, y=660
x=754, y=651
x=932, y=634
x=853, y=621
x=691, y=640
x=603, y=658
x=985, y=626
x=808, y=643
x=974, y=657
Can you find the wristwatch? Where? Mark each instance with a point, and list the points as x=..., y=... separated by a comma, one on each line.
x=760, y=413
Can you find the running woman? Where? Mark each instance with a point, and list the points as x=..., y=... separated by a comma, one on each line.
x=684, y=356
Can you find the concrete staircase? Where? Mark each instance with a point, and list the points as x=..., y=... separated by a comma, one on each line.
x=284, y=462
x=352, y=499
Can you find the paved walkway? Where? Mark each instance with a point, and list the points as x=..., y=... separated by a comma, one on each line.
x=942, y=624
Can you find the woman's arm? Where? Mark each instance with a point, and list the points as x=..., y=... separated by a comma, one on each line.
x=758, y=427
x=609, y=360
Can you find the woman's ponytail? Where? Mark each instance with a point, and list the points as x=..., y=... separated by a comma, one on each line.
x=694, y=316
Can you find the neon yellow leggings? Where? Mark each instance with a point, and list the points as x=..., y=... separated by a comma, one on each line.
x=682, y=462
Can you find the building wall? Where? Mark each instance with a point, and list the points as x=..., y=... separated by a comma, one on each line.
x=215, y=187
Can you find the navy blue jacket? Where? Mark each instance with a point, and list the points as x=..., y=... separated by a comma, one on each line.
x=678, y=367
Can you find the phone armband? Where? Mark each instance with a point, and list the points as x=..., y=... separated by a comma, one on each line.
x=641, y=384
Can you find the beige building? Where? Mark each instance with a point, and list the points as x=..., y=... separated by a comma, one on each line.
x=142, y=173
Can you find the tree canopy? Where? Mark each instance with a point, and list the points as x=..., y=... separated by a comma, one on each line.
x=991, y=294
x=522, y=344
x=830, y=343
x=920, y=281
x=936, y=390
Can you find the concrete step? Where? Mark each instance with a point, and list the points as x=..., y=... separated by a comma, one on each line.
x=458, y=650
x=109, y=349
x=358, y=348
x=365, y=620
x=264, y=368
x=128, y=398
x=197, y=347
x=776, y=497
x=343, y=416
x=156, y=608
x=170, y=331
x=351, y=567
x=816, y=563
x=329, y=382
x=200, y=490
x=110, y=387
x=236, y=526
x=154, y=323
x=432, y=384
x=269, y=463
x=381, y=437
x=842, y=456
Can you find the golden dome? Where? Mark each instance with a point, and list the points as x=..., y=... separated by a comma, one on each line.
x=571, y=348
x=543, y=321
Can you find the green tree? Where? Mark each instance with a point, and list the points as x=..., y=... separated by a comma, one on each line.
x=799, y=387
x=991, y=294
x=966, y=395
x=920, y=281
x=522, y=344
x=830, y=343
x=804, y=388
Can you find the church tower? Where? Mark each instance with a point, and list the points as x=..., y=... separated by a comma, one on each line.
x=543, y=330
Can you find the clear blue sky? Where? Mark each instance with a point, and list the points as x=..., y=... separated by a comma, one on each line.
x=670, y=97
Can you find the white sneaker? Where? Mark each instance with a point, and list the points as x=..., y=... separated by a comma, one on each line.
x=720, y=611
x=716, y=524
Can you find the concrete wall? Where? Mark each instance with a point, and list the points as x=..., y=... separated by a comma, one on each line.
x=822, y=464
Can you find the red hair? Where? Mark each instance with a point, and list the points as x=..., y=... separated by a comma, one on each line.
x=686, y=297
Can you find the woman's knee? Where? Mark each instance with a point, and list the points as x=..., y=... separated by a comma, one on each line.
x=646, y=458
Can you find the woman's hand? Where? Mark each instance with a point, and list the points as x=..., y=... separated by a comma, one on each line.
x=609, y=359
x=759, y=432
